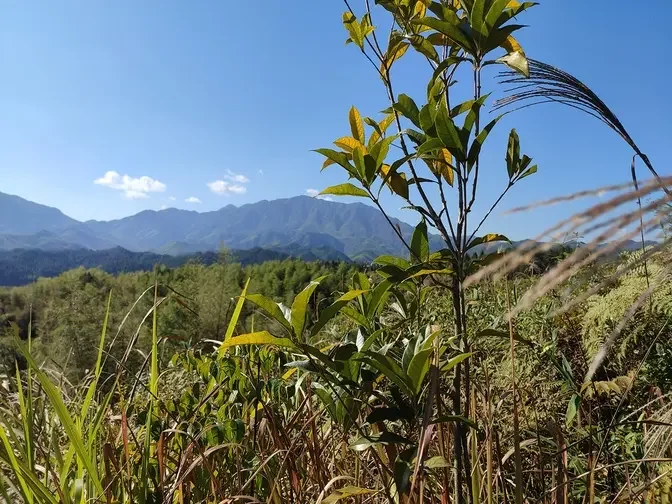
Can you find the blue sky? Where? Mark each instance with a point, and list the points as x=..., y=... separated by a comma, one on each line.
x=236, y=94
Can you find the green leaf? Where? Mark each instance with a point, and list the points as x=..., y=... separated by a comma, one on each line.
x=511, y=12
x=512, y=154
x=393, y=260
x=377, y=296
x=470, y=120
x=453, y=419
x=527, y=173
x=300, y=304
x=330, y=312
x=257, y=338
x=476, y=146
x=356, y=125
x=498, y=37
x=418, y=368
x=433, y=144
x=495, y=11
x=391, y=370
x=477, y=20
x=420, y=243
x=355, y=316
x=370, y=168
x=454, y=362
x=426, y=272
x=440, y=69
x=339, y=158
x=380, y=150
x=450, y=28
x=447, y=131
x=384, y=438
x=427, y=117
x=346, y=189
x=271, y=308
x=488, y=238
x=407, y=107
x=358, y=159
x=505, y=334
x=403, y=471
x=29, y=483
x=424, y=47
x=572, y=409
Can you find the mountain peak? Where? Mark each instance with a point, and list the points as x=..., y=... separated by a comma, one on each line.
x=20, y=216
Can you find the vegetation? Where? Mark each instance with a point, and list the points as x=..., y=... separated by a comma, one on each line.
x=23, y=266
x=465, y=374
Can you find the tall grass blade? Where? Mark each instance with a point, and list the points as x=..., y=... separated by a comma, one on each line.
x=73, y=433
x=236, y=313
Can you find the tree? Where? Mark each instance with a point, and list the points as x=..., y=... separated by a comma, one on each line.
x=440, y=145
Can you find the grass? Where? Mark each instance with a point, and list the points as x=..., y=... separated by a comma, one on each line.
x=293, y=414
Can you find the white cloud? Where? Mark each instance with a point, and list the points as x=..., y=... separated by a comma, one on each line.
x=192, y=199
x=223, y=187
x=171, y=198
x=236, y=177
x=131, y=187
x=164, y=207
x=260, y=171
x=314, y=193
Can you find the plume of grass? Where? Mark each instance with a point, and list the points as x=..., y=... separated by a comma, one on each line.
x=548, y=84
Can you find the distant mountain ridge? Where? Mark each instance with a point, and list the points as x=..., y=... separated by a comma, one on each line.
x=301, y=226
x=355, y=230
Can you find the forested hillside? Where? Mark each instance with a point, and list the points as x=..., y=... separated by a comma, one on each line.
x=23, y=266
x=67, y=310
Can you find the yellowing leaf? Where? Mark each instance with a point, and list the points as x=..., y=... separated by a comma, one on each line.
x=395, y=181
x=356, y=125
x=382, y=125
x=328, y=162
x=289, y=373
x=438, y=39
x=512, y=4
x=442, y=166
x=257, y=338
x=511, y=45
x=345, y=493
x=349, y=144
x=393, y=54
x=419, y=10
x=445, y=156
x=354, y=29
x=346, y=189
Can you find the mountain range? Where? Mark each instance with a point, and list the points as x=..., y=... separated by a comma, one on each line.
x=334, y=231
x=302, y=227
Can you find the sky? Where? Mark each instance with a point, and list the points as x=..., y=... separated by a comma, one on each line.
x=110, y=108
